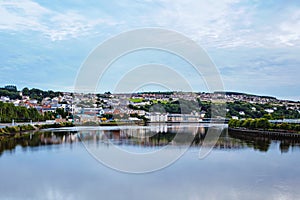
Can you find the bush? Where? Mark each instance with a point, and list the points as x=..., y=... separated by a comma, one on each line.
x=56, y=125
x=247, y=123
x=262, y=123
x=232, y=123
x=90, y=124
x=285, y=126
x=297, y=127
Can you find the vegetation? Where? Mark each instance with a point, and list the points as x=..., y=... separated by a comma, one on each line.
x=262, y=123
x=142, y=117
x=15, y=129
x=90, y=124
x=178, y=106
x=39, y=95
x=55, y=125
x=11, y=92
x=8, y=130
x=238, y=108
x=136, y=100
x=250, y=110
x=9, y=112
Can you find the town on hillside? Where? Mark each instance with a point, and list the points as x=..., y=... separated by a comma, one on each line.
x=38, y=105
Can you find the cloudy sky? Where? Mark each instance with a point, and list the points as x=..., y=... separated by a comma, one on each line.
x=254, y=44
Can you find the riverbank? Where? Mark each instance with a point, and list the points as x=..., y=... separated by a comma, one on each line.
x=18, y=131
x=113, y=123
x=273, y=134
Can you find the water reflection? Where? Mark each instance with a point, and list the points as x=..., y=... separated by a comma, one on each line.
x=35, y=139
x=153, y=136
x=263, y=143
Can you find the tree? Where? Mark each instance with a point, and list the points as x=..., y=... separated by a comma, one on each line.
x=285, y=126
x=232, y=123
x=267, y=116
x=262, y=123
x=8, y=112
x=61, y=112
x=297, y=127
x=238, y=123
x=252, y=124
x=25, y=91
x=247, y=123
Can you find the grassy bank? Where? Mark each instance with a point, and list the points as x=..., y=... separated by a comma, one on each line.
x=261, y=127
x=55, y=125
x=22, y=130
x=16, y=129
x=263, y=124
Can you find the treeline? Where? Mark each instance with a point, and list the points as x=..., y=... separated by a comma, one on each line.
x=13, y=93
x=262, y=123
x=39, y=95
x=182, y=106
x=175, y=107
x=238, y=108
x=9, y=112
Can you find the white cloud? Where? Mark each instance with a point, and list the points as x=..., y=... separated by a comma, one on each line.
x=254, y=43
x=228, y=23
x=290, y=29
x=21, y=15
x=205, y=21
x=28, y=15
x=221, y=24
x=72, y=25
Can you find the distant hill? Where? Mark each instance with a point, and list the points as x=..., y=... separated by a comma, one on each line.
x=240, y=93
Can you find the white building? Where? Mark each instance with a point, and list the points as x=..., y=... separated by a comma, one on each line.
x=269, y=111
x=4, y=99
x=157, y=117
x=242, y=113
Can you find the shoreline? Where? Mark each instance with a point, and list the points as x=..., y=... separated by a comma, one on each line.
x=22, y=130
x=273, y=134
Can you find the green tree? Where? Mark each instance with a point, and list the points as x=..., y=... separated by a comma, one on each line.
x=25, y=91
x=285, y=126
x=262, y=123
x=253, y=124
x=232, y=123
x=247, y=123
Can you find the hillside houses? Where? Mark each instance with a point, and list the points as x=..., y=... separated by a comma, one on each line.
x=139, y=105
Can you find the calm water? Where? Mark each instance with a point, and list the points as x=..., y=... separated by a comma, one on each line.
x=57, y=164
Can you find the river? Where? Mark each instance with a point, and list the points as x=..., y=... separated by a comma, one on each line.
x=78, y=163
